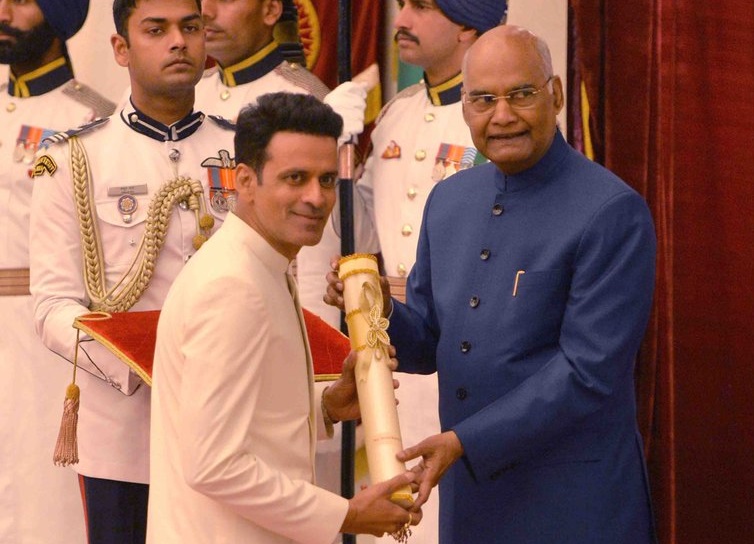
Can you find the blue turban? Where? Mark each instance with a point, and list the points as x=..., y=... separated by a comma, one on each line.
x=65, y=17
x=481, y=15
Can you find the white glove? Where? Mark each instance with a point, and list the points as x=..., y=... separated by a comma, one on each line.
x=349, y=100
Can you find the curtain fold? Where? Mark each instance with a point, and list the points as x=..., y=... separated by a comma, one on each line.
x=669, y=85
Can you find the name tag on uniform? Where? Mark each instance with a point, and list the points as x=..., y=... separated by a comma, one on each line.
x=128, y=190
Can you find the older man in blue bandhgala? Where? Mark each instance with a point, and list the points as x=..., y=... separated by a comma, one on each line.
x=530, y=296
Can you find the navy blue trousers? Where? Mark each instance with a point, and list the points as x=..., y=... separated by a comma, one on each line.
x=115, y=512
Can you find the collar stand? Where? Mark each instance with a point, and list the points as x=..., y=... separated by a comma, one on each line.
x=259, y=64
x=143, y=124
x=42, y=80
x=446, y=93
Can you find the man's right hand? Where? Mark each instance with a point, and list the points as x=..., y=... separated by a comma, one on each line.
x=334, y=293
x=372, y=512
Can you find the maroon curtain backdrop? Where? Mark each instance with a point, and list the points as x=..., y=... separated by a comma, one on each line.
x=367, y=20
x=670, y=85
x=320, y=39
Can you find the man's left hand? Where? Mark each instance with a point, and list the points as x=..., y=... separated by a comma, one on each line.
x=341, y=399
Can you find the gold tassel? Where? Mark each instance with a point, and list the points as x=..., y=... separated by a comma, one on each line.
x=67, y=447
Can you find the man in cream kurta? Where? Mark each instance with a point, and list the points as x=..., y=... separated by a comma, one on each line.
x=217, y=446
x=235, y=415
x=250, y=63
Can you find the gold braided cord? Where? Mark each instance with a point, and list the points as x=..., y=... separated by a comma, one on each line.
x=131, y=286
x=90, y=239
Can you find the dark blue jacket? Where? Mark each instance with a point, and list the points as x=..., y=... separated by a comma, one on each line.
x=529, y=297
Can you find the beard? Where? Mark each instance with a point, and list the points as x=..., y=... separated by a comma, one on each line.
x=29, y=45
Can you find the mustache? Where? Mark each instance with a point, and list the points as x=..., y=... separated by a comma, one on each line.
x=401, y=32
x=179, y=57
x=8, y=30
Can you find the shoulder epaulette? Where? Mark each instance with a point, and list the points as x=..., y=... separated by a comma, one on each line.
x=223, y=122
x=90, y=98
x=66, y=135
x=411, y=90
x=303, y=78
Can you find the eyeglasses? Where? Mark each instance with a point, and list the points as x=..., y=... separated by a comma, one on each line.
x=520, y=99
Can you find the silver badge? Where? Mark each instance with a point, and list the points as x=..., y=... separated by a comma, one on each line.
x=232, y=199
x=127, y=205
x=438, y=172
x=218, y=202
x=29, y=152
x=18, y=152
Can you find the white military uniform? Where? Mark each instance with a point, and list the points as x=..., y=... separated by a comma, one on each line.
x=420, y=138
x=39, y=503
x=128, y=154
x=225, y=91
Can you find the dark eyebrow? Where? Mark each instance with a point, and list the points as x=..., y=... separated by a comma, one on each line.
x=163, y=20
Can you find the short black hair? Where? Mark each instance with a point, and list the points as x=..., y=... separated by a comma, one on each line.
x=122, y=10
x=280, y=112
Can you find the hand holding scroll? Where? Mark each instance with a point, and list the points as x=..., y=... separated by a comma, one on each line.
x=438, y=453
x=340, y=399
x=334, y=294
x=367, y=328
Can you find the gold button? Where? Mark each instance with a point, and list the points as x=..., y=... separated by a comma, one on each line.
x=77, y=86
x=429, y=117
x=225, y=94
x=10, y=107
x=411, y=193
x=420, y=155
x=401, y=269
x=407, y=230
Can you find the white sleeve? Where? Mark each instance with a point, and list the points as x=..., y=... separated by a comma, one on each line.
x=57, y=277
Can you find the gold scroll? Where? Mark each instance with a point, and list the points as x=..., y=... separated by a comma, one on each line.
x=367, y=330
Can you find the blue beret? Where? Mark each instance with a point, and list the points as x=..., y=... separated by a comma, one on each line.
x=65, y=17
x=481, y=15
